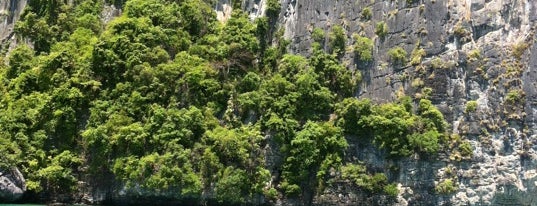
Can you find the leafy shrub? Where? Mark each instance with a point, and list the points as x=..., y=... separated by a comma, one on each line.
x=250, y=82
x=397, y=55
x=460, y=31
x=271, y=193
x=438, y=63
x=391, y=189
x=58, y=176
x=372, y=183
x=401, y=132
x=391, y=124
x=349, y=112
x=514, y=96
x=416, y=55
x=466, y=149
x=446, y=186
x=519, y=49
x=427, y=142
x=426, y=92
x=291, y=190
x=474, y=55
x=314, y=144
x=366, y=13
x=232, y=187
x=338, y=39
x=318, y=35
x=11, y=153
x=471, y=106
x=434, y=119
x=273, y=8
x=381, y=29
x=363, y=47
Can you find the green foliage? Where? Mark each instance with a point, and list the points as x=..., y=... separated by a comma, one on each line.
x=350, y=112
x=445, y=187
x=401, y=132
x=392, y=124
x=438, y=63
x=337, y=40
x=373, y=183
x=435, y=119
x=273, y=8
x=391, y=190
x=416, y=55
x=471, y=106
x=271, y=193
x=514, y=96
x=291, y=190
x=232, y=187
x=11, y=151
x=58, y=175
x=474, y=55
x=20, y=61
x=367, y=13
x=318, y=35
x=427, y=142
x=460, y=31
x=263, y=30
x=160, y=172
x=381, y=29
x=311, y=90
x=46, y=22
x=241, y=32
x=519, y=48
x=333, y=75
x=466, y=149
x=313, y=145
x=363, y=47
x=397, y=55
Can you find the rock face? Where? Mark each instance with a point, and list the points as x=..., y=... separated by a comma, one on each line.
x=12, y=185
x=476, y=50
x=10, y=11
x=255, y=8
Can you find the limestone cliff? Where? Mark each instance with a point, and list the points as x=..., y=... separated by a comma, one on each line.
x=480, y=52
x=475, y=50
x=10, y=11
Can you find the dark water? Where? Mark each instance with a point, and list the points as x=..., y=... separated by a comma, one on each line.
x=20, y=205
x=36, y=205
x=32, y=205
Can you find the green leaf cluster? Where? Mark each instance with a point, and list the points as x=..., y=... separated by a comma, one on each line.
x=395, y=126
x=363, y=48
x=373, y=183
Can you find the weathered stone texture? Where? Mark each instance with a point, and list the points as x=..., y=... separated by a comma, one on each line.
x=501, y=132
x=12, y=185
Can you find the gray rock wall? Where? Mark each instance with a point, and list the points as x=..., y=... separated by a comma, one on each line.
x=12, y=185
x=10, y=11
x=470, y=56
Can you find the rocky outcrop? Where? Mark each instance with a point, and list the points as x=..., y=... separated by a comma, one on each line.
x=10, y=11
x=476, y=50
x=12, y=185
x=254, y=8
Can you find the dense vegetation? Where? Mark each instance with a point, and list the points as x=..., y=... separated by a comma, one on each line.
x=166, y=98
